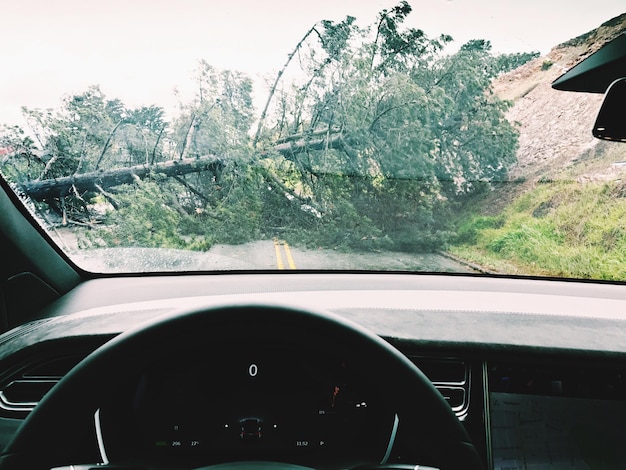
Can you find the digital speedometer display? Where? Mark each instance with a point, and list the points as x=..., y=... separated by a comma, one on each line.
x=255, y=400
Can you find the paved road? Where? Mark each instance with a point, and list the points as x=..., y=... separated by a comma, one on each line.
x=265, y=255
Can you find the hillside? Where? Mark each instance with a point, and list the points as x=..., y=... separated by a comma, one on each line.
x=562, y=210
x=544, y=115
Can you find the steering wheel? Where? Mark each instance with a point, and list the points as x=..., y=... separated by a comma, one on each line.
x=46, y=437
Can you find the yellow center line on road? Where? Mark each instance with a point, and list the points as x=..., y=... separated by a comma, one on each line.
x=290, y=261
x=279, y=257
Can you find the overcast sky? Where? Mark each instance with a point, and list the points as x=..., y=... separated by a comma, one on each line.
x=140, y=50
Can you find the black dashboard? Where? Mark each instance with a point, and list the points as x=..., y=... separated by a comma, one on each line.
x=541, y=384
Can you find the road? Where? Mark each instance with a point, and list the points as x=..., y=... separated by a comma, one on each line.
x=260, y=255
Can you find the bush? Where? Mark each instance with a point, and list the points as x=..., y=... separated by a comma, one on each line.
x=145, y=218
x=468, y=232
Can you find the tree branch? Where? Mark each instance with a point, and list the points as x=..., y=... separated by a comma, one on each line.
x=108, y=196
x=275, y=85
x=108, y=142
x=156, y=144
x=292, y=194
x=291, y=148
x=191, y=188
x=188, y=138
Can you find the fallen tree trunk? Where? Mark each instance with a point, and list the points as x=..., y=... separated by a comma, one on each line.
x=292, y=148
x=57, y=187
x=95, y=181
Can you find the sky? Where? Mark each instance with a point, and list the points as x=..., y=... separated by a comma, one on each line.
x=140, y=51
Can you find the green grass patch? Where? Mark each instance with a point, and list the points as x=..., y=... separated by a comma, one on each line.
x=563, y=229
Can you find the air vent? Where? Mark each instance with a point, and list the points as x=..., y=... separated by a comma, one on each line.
x=23, y=395
x=26, y=388
x=451, y=377
x=455, y=396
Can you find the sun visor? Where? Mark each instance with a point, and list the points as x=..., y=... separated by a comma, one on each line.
x=598, y=71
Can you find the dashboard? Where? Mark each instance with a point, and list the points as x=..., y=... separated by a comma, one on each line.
x=541, y=384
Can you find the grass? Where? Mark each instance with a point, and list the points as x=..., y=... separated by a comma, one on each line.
x=561, y=229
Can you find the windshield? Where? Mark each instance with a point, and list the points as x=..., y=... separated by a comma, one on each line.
x=334, y=135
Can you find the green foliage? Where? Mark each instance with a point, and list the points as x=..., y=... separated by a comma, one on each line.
x=19, y=162
x=469, y=230
x=343, y=229
x=90, y=132
x=87, y=133
x=217, y=121
x=145, y=219
x=502, y=63
x=580, y=233
x=507, y=62
x=335, y=36
x=546, y=64
x=409, y=119
x=237, y=217
x=159, y=213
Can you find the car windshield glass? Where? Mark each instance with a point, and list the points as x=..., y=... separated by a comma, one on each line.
x=420, y=136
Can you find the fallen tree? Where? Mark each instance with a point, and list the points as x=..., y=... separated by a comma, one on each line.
x=290, y=148
x=40, y=190
x=96, y=180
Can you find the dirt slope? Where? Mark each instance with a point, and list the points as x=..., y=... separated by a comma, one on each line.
x=544, y=115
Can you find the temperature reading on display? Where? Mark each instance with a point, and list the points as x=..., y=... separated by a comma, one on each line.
x=253, y=370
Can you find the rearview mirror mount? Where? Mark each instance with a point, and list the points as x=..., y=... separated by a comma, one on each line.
x=611, y=121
